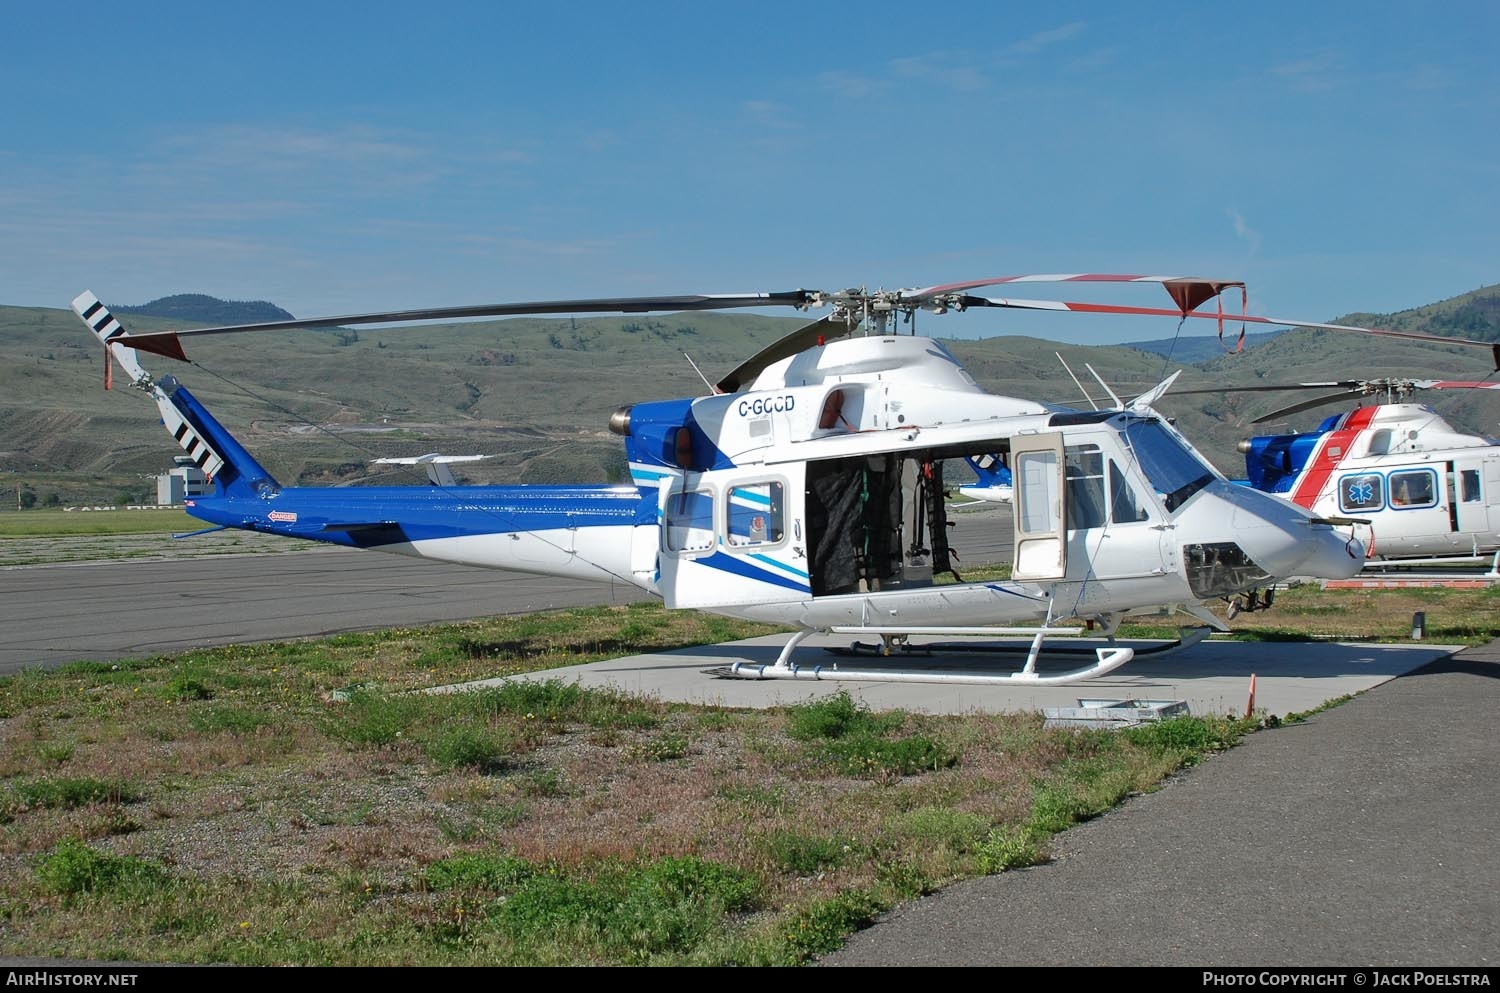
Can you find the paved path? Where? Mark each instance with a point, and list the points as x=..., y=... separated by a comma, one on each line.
x=1369, y=835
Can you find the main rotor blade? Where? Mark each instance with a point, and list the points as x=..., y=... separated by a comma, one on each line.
x=833, y=326
x=604, y=305
x=1448, y=384
x=1340, y=385
x=1297, y=408
x=1104, y=308
x=1078, y=307
x=1188, y=291
x=1364, y=387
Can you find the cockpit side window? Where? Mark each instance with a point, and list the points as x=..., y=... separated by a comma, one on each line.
x=1124, y=505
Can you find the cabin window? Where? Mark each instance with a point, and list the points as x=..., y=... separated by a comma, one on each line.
x=1413, y=489
x=755, y=514
x=1365, y=491
x=1086, y=489
x=1084, y=468
x=690, y=521
x=1470, y=482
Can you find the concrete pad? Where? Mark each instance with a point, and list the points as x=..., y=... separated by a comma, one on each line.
x=1213, y=677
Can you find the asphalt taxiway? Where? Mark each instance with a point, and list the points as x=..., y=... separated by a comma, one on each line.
x=53, y=614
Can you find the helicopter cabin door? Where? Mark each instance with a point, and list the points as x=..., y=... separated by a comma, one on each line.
x=734, y=536
x=1040, y=499
x=1466, y=494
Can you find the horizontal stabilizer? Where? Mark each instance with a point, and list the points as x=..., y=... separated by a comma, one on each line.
x=437, y=465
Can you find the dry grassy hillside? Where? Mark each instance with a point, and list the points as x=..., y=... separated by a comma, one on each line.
x=536, y=394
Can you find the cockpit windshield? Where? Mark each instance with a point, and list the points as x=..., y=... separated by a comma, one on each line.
x=1174, y=472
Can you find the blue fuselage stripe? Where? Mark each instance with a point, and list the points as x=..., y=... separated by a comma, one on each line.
x=737, y=566
x=798, y=573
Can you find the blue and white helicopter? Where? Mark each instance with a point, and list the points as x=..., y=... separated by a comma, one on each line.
x=805, y=489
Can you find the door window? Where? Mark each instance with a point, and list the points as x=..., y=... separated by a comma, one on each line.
x=1085, y=474
x=690, y=521
x=1036, y=506
x=1470, y=480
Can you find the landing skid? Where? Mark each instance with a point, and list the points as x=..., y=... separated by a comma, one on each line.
x=1187, y=638
x=1106, y=659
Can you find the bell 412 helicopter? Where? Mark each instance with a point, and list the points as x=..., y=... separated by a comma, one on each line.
x=805, y=489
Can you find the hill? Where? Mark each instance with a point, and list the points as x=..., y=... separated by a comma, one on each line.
x=207, y=310
x=1201, y=348
x=1473, y=315
x=536, y=394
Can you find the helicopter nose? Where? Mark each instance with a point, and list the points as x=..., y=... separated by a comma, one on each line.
x=1325, y=553
x=1286, y=541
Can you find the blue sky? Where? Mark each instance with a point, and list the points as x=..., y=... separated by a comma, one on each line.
x=342, y=157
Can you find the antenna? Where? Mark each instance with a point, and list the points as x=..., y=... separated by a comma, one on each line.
x=1076, y=382
x=711, y=387
x=1118, y=402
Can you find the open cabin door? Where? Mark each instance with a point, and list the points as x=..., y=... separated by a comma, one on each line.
x=734, y=536
x=1041, y=511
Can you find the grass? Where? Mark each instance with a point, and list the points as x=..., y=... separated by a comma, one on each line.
x=58, y=523
x=302, y=803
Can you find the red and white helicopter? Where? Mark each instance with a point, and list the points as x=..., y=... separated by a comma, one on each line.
x=805, y=489
x=1417, y=491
